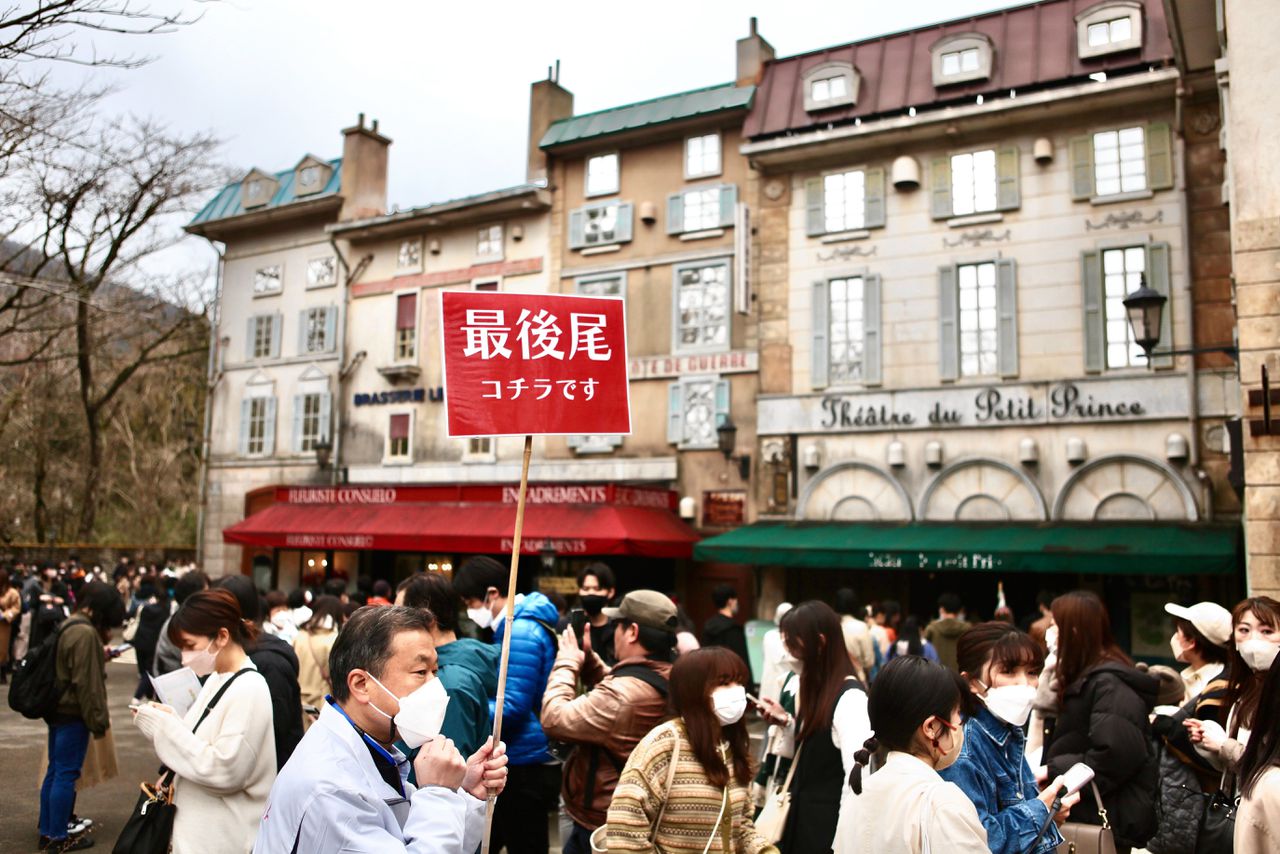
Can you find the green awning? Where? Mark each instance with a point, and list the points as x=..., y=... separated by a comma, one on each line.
x=1115, y=549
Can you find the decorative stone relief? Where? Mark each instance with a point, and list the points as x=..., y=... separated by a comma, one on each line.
x=1123, y=221
x=977, y=237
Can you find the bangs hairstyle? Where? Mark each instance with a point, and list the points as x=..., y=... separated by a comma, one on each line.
x=1000, y=645
x=208, y=612
x=694, y=676
x=1084, y=637
x=814, y=636
x=1245, y=686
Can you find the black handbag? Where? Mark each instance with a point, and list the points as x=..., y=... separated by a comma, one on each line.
x=1218, y=822
x=150, y=827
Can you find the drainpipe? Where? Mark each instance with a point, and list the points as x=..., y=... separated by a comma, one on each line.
x=212, y=376
x=342, y=355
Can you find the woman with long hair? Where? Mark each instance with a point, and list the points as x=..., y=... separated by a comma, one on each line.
x=222, y=752
x=312, y=644
x=911, y=642
x=1255, y=626
x=906, y=807
x=684, y=787
x=1002, y=667
x=829, y=726
x=1259, y=774
x=1103, y=720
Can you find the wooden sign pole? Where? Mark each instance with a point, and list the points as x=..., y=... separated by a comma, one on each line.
x=506, y=635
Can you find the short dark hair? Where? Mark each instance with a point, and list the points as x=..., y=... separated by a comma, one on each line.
x=722, y=593
x=434, y=593
x=382, y=588
x=242, y=588
x=658, y=643
x=847, y=603
x=477, y=574
x=602, y=572
x=189, y=583
x=1044, y=598
x=365, y=642
x=297, y=598
x=274, y=599
x=1204, y=646
x=335, y=587
x=951, y=603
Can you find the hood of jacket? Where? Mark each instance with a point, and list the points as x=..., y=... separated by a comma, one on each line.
x=1146, y=686
x=276, y=651
x=480, y=658
x=532, y=606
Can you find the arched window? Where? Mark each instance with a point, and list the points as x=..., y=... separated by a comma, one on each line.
x=1108, y=28
x=961, y=58
x=832, y=84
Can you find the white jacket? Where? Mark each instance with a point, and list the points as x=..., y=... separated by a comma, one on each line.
x=906, y=808
x=330, y=798
x=224, y=770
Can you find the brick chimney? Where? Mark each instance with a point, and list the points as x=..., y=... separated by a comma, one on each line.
x=549, y=102
x=364, y=171
x=753, y=53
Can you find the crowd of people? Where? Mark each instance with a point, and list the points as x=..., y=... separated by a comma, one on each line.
x=347, y=720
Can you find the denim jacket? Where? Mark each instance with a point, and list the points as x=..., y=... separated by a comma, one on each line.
x=992, y=770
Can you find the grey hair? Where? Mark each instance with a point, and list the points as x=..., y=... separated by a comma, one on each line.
x=364, y=643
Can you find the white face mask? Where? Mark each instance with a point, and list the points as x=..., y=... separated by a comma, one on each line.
x=790, y=662
x=202, y=662
x=729, y=704
x=421, y=712
x=1175, y=644
x=1051, y=639
x=1010, y=703
x=481, y=616
x=1258, y=653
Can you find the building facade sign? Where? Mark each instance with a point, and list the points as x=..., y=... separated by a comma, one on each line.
x=1002, y=405
x=724, y=508
x=655, y=498
x=404, y=395
x=669, y=367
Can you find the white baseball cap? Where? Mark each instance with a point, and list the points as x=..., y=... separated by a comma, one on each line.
x=1209, y=618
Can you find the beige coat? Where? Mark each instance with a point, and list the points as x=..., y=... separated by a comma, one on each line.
x=10, y=611
x=313, y=649
x=1258, y=821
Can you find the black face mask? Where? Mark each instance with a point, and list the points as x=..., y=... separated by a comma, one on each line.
x=592, y=603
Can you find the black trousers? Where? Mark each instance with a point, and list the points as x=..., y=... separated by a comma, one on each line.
x=524, y=809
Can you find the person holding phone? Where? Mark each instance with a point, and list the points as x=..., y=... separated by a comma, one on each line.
x=1002, y=666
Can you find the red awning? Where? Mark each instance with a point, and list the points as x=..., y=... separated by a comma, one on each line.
x=465, y=528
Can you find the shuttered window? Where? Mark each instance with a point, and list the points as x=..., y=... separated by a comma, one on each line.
x=318, y=329
x=1119, y=161
x=311, y=414
x=600, y=225
x=262, y=338
x=1107, y=277
x=257, y=426
x=844, y=201
x=696, y=407
x=846, y=331
x=978, y=320
x=975, y=182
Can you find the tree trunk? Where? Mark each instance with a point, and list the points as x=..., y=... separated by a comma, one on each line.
x=93, y=434
x=40, y=511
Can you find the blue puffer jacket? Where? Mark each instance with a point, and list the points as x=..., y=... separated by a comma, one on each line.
x=533, y=649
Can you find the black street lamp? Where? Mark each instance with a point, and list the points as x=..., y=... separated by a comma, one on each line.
x=726, y=440
x=323, y=449
x=1145, y=308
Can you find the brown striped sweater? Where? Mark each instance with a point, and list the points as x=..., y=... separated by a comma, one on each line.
x=692, y=804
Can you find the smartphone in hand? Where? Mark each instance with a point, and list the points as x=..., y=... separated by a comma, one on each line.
x=578, y=620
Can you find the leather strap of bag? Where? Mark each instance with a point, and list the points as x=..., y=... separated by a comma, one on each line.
x=168, y=773
x=1102, y=811
x=795, y=762
x=671, y=777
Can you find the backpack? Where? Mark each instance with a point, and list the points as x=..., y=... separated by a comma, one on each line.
x=35, y=690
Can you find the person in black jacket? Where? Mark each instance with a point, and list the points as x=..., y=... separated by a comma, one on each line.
x=1103, y=721
x=723, y=629
x=152, y=615
x=278, y=664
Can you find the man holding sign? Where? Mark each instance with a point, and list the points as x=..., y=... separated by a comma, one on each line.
x=531, y=364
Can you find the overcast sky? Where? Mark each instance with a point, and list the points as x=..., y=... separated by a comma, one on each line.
x=449, y=81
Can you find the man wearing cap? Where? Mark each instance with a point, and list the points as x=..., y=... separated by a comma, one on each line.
x=620, y=707
x=1201, y=638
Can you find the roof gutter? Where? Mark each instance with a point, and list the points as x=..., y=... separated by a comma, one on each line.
x=212, y=229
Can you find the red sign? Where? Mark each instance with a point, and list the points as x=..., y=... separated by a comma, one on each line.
x=516, y=364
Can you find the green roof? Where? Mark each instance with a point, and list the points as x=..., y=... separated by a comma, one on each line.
x=1114, y=549
x=699, y=102
x=227, y=202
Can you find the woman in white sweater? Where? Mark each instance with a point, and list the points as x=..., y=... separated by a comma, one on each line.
x=905, y=807
x=224, y=761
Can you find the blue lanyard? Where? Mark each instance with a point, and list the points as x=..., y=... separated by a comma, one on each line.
x=382, y=751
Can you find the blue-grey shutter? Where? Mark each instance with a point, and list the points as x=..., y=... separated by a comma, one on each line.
x=299, y=400
x=269, y=428
x=722, y=401
x=675, y=413
x=277, y=332
x=815, y=214
x=249, y=337
x=1007, y=317
x=728, y=204
x=622, y=231
x=1008, y=192
x=948, y=325
x=821, y=335
x=331, y=328
x=1095, y=335
x=326, y=412
x=1158, y=279
x=872, y=372
x=873, y=206
x=940, y=188
x=577, y=229
x=1159, y=156
x=1080, y=151
x=246, y=407
x=675, y=213
x=302, y=332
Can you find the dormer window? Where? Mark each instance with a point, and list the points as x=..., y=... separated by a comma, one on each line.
x=832, y=84
x=1109, y=28
x=312, y=174
x=309, y=177
x=961, y=58
x=256, y=189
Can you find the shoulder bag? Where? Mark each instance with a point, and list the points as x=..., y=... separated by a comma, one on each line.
x=150, y=827
x=1082, y=838
x=600, y=836
x=772, y=820
x=1217, y=831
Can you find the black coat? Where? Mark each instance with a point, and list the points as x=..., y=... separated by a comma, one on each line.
x=1104, y=724
x=726, y=632
x=278, y=664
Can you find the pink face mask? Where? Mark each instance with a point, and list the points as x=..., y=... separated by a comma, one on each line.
x=201, y=662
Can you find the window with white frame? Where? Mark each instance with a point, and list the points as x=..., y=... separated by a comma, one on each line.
x=1107, y=33
x=603, y=286
x=847, y=332
x=1122, y=271
x=973, y=182
x=313, y=428
x=322, y=272
x=601, y=225
x=315, y=331
x=410, y=255
x=480, y=448
x=701, y=209
x=961, y=57
x=697, y=406
x=398, y=436
x=956, y=62
x=602, y=174
x=702, y=156
x=702, y=306
x=267, y=280
x=489, y=241
x=1109, y=28
x=255, y=428
x=844, y=196
x=978, y=327
x=1119, y=161
x=828, y=88
x=263, y=333
x=406, y=327
x=831, y=84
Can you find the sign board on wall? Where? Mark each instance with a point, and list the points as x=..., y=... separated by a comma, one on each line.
x=675, y=365
x=725, y=508
x=521, y=364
